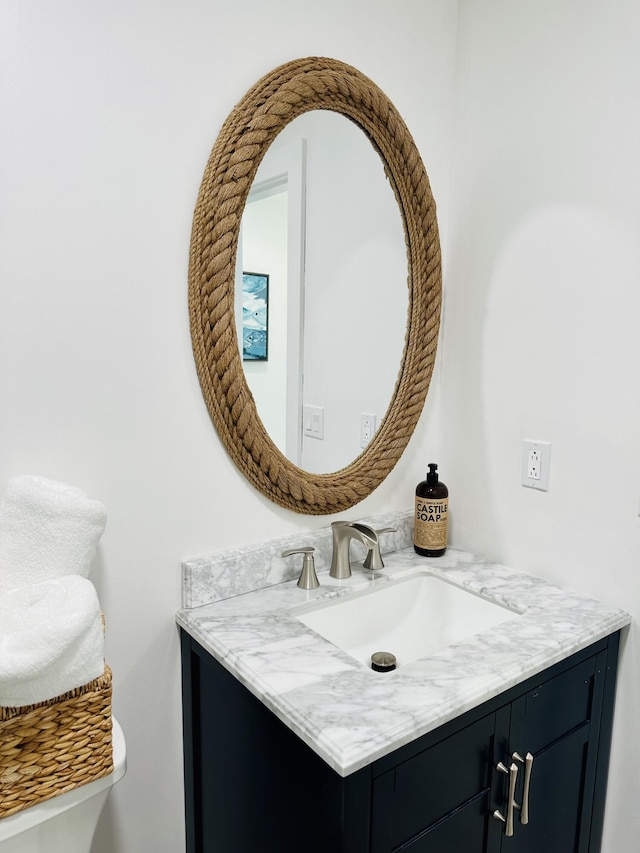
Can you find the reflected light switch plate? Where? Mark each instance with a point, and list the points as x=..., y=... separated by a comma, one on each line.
x=313, y=421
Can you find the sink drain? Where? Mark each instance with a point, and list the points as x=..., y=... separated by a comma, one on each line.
x=383, y=662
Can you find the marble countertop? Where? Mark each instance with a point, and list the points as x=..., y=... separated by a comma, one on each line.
x=350, y=715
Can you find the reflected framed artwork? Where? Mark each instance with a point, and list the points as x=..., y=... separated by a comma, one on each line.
x=255, y=316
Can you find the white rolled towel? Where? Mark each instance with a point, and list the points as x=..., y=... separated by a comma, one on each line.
x=47, y=529
x=51, y=640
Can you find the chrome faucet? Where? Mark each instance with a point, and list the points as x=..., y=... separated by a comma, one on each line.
x=343, y=532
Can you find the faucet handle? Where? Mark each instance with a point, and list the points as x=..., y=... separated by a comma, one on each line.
x=308, y=578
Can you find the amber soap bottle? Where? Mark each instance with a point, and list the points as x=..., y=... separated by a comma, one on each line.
x=431, y=515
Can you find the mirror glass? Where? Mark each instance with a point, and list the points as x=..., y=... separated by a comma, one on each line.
x=322, y=347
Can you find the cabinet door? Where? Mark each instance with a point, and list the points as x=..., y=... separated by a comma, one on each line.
x=558, y=723
x=556, y=798
x=438, y=801
x=462, y=830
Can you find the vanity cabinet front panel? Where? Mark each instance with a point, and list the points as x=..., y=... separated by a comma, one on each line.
x=556, y=706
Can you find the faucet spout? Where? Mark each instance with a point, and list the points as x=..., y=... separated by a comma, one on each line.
x=343, y=532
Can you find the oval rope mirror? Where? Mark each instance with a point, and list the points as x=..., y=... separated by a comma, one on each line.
x=279, y=97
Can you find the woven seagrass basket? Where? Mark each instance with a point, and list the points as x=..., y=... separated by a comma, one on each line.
x=55, y=746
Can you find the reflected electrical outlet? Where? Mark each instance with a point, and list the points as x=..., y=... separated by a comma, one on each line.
x=368, y=425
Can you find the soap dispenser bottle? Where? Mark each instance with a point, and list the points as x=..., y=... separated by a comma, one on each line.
x=431, y=515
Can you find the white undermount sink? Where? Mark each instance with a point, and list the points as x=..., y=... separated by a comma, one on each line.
x=411, y=617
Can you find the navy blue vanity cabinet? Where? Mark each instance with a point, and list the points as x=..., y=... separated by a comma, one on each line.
x=252, y=785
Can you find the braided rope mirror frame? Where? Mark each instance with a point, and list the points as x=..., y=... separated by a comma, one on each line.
x=274, y=101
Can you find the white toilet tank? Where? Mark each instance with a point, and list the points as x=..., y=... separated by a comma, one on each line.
x=66, y=823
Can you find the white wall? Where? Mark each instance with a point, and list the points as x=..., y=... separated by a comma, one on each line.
x=356, y=295
x=109, y=112
x=541, y=312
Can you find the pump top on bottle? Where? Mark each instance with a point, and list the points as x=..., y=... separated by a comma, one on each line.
x=431, y=515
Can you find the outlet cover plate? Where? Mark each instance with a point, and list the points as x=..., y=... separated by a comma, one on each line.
x=368, y=425
x=536, y=461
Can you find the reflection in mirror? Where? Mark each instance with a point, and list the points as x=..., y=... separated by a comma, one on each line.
x=322, y=221
x=263, y=247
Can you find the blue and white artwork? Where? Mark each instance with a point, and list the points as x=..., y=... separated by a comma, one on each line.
x=255, y=316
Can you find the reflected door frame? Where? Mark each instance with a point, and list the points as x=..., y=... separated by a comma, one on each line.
x=286, y=166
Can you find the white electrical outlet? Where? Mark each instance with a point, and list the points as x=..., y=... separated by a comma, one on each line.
x=368, y=425
x=533, y=464
x=536, y=460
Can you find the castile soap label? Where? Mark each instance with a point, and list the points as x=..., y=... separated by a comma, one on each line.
x=430, y=526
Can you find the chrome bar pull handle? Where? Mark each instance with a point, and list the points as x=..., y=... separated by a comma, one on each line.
x=528, y=767
x=511, y=802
